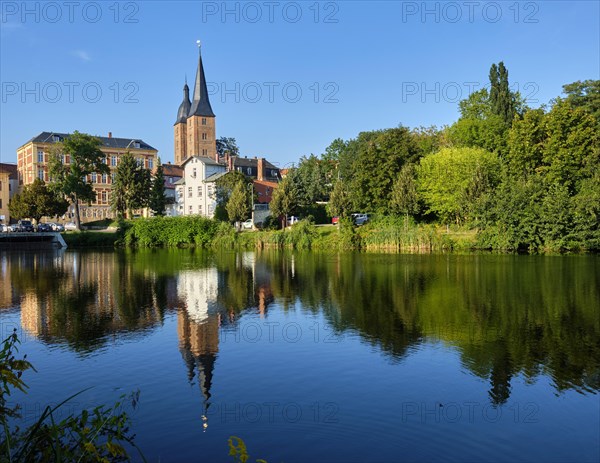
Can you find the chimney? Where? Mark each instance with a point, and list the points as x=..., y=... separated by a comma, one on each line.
x=261, y=169
x=229, y=163
x=109, y=134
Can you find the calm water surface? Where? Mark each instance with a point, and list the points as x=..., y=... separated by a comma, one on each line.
x=319, y=357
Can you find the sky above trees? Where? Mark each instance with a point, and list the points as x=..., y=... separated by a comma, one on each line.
x=285, y=80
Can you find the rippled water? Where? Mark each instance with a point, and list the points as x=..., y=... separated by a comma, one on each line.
x=319, y=357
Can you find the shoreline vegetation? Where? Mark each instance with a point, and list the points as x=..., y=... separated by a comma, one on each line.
x=381, y=234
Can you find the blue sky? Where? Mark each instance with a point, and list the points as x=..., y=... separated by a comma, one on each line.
x=286, y=77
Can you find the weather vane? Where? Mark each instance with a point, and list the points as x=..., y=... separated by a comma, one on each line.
x=199, y=43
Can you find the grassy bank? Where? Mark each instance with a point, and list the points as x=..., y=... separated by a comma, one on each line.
x=385, y=234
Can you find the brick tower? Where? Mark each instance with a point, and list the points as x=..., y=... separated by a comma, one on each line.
x=195, y=125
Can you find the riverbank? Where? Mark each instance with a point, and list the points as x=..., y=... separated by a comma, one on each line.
x=383, y=235
x=387, y=234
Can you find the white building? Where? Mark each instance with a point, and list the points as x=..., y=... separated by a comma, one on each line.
x=196, y=190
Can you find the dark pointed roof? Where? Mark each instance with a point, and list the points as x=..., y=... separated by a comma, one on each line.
x=200, y=104
x=184, y=107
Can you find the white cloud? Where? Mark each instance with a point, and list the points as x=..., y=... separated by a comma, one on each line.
x=82, y=55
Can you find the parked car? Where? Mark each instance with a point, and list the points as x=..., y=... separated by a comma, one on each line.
x=292, y=220
x=70, y=226
x=14, y=227
x=360, y=219
x=25, y=226
x=4, y=228
x=335, y=220
x=57, y=227
x=247, y=225
x=44, y=227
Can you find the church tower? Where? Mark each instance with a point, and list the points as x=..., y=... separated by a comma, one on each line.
x=181, y=127
x=195, y=132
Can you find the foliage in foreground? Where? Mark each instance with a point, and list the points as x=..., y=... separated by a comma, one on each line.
x=98, y=435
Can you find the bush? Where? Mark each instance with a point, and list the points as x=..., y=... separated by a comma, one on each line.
x=98, y=435
x=172, y=231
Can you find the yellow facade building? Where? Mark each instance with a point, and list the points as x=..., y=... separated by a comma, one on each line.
x=33, y=158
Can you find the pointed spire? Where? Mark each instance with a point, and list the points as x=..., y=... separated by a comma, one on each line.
x=184, y=107
x=200, y=104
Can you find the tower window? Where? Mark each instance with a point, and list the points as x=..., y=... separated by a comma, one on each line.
x=204, y=136
x=204, y=121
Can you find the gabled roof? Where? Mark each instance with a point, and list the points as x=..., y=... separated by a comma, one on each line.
x=204, y=160
x=10, y=169
x=172, y=170
x=112, y=142
x=251, y=162
x=200, y=104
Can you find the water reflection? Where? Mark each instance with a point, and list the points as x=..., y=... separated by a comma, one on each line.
x=507, y=316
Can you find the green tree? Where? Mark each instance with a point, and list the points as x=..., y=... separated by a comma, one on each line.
x=310, y=179
x=37, y=201
x=450, y=180
x=284, y=200
x=158, y=200
x=131, y=189
x=224, y=186
x=225, y=144
x=378, y=158
x=340, y=201
x=502, y=100
x=526, y=140
x=572, y=149
x=70, y=179
x=586, y=95
x=237, y=206
x=405, y=198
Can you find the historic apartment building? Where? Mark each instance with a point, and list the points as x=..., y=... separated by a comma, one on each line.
x=33, y=157
x=196, y=190
x=9, y=185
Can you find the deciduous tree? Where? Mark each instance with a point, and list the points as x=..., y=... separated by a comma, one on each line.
x=70, y=179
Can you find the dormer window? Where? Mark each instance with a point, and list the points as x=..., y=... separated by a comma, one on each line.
x=136, y=144
x=55, y=138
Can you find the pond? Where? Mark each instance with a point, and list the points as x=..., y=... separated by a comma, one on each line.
x=318, y=356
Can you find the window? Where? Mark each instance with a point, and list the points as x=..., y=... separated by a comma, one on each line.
x=191, y=210
x=41, y=174
x=40, y=156
x=104, y=178
x=190, y=192
x=249, y=170
x=150, y=163
x=200, y=191
x=136, y=144
x=204, y=152
x=103, y=196
x=113, y=161
x=273, y=173
x=204, y=137
x=170, y=179
x=194, y=173
x=113, y=177
x=0, y=203
x=0, y=185
x=199, y=208
x=94, y=177
x=140, y=162
x=55, y=138
x=204, y=121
